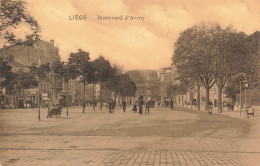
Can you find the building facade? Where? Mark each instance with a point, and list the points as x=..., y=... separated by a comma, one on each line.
x=166, y=77
x=21, y=58
x=147, y=83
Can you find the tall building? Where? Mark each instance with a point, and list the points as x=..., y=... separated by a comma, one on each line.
x=166, y=76
x=147, y=83
x=21, y=58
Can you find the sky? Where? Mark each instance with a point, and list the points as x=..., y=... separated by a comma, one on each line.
x=135, y=44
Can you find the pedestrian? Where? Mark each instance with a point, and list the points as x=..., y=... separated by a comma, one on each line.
x=94, y=104
x=134, y=106
x=236, y=106
x=147, y=106
x=140, y=104
x=153, y=103
x=107, y=104
x=124, y=105
x=171, y=104
x=101, y=104
x=111, y=106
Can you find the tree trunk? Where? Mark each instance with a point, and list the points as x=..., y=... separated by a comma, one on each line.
x=207, y=99
x=93, y=97
x=240, y=99
x=198, y=95
x=115, y=97
x=101, y=98
x=191, y=97
x=179, y=100
x=106, y=98
x=84, y=97
x=67, y=99
x=39, y=105
x=182, y=100
x=220, y=109
x=186, y=99
x=18, y=96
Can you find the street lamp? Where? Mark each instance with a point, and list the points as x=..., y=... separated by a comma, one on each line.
x=245, y=107
x=246, y=86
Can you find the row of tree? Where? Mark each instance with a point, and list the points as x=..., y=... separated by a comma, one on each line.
x=98, y=71
x=79, y=67
x=205, y=55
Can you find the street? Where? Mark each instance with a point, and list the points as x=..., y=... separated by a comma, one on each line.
x=165, y=137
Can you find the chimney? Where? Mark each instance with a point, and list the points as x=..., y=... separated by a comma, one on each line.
x=52, y=42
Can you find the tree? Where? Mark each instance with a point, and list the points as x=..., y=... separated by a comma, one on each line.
x=84, y=69
x=114, y=79
x=13, y=14
x=25, y=80
x=194, y=56
x=171, y=90
x=41, y=72
x=229, y=51
x=126, y=86
x=102, y=73
x=7, y=77
x=67, y=72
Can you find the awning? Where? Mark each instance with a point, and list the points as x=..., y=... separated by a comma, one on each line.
x=45, y=98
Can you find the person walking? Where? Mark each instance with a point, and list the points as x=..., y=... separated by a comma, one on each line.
x=147, y=106
x=124, y=105
x=111, y=106
x=140, y=104
x=134, y=106
x=171, y=104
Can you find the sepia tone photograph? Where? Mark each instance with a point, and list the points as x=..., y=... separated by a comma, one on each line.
x=129, y=83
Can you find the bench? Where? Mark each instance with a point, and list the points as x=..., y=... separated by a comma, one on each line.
x=249, y=110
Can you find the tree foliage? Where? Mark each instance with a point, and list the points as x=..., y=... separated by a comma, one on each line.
x=126, y=86
x=64, y=70
x=102, y=69
x=82, y=66
x=7, y=77
x=40, y=71
x=210, y=54
x=193, y=56
x=27, y=80
x=12, y=15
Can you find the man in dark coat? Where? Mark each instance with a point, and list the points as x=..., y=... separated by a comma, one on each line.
x=147, y=106
x=111, y=106
x=171, y=104
x=135, y=106
x=124, y=105
x=140, y=104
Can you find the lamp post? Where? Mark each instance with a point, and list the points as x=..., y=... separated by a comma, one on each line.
x=240, y=97
x=245, y=107
x=65, y=64
x=246, y=86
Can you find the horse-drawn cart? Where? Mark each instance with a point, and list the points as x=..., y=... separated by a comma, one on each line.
x=54, y=110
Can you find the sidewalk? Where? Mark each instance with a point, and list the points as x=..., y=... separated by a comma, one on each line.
x=254, y=121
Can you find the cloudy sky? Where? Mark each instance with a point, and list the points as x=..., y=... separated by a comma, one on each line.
x=135, y=44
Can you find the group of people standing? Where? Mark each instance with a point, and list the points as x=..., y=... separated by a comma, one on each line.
x=140, y=104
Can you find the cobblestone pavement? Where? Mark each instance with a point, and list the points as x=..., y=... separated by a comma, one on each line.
x=22, y=146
